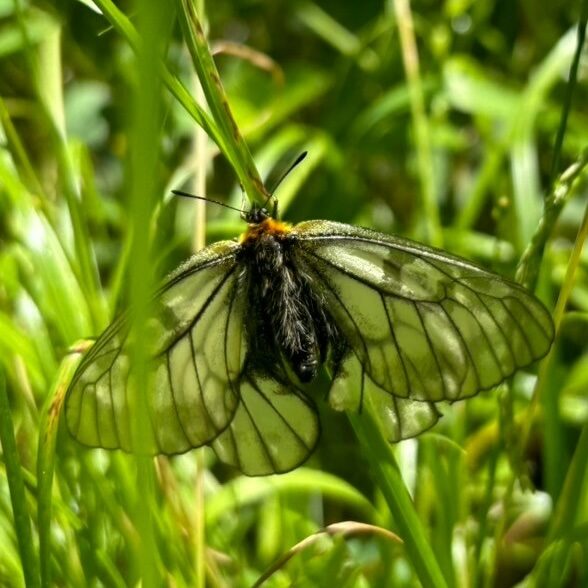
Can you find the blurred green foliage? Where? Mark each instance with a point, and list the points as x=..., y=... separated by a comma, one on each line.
x=328, y=77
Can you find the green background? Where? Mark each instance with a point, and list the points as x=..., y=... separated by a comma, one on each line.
x=460, y=152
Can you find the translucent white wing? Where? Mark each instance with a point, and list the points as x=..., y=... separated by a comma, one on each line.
x=425, y=325
x=400, y=418
x=198, y=348
x=275, y=429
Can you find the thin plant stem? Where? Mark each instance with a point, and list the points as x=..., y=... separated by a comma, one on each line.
x=419, y=120
x=570, y=87
x=200, y=151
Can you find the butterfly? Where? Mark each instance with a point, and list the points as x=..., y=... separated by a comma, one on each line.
x=240, y=331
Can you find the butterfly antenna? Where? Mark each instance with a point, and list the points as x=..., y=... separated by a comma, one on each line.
x=283, y=176
x=188, y=195
x=287, y=172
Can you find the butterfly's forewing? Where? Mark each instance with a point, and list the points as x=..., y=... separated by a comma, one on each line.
x=425, y=325
x=275, y=428
x=198, y=348
x=96, y=410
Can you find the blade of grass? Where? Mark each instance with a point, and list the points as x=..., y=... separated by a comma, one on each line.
x=334, y=33
x=570, y=87
x=233, y=144
x=243, y=492
x=123, y=25
x=560, y=188
x=389, y=480
x=222, y=129
x=20, y=154
x=46, y=457
x=344, y=529
x=572, y=497
x=446, y=473
x=45, y=71
x=569, y=502
x=154, y=24
x=22, y=522
x=523, y=147
x=528, y=267
x=419, y=121
x=199, y=241
x=527, y=272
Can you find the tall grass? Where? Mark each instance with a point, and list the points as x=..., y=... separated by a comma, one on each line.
x=453, y=125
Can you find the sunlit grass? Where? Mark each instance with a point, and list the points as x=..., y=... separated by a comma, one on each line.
x=87, y=226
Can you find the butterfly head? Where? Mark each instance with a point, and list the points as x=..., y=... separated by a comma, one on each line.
x=257, y=214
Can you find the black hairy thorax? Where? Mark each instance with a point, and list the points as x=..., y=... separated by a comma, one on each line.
x=288, y=321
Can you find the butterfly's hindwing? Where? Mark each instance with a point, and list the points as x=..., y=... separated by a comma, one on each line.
x=400, y=418
x=275, y=428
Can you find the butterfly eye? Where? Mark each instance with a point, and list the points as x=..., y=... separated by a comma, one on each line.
x=256, y=215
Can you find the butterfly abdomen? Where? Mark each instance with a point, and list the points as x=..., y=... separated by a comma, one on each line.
x=294, y=321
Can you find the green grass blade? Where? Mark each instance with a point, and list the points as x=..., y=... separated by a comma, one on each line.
x=48, y=428
x=570, y=87
x=124, y=26
x=233, y=144
x=420, y=123
x=154, y=26
x=389, y=479
x=569, y=501
x=22, y=521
